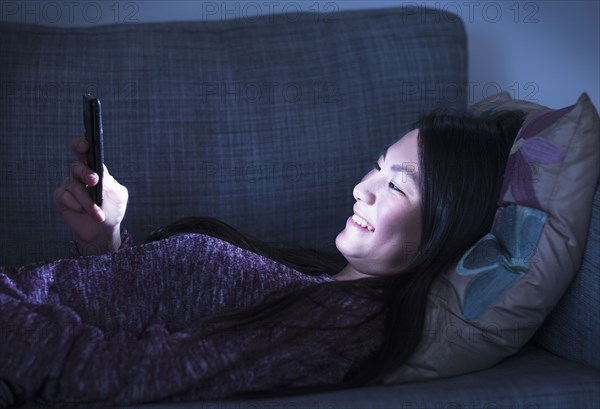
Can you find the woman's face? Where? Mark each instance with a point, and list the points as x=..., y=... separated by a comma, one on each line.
x=384, y=232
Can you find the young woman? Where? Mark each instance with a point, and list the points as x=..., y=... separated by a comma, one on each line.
x=201, y=311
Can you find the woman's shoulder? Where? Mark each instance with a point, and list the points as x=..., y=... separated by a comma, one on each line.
x=224, y=255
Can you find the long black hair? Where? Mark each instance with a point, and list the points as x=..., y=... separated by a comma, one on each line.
x=461, y=160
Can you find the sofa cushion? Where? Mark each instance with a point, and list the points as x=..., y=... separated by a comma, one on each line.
x=532, y=379
x=501, y=290
x=266, y=124
x=572, y=330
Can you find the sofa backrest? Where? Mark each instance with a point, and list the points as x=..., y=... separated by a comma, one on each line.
x=572, y=330
x=266, y=124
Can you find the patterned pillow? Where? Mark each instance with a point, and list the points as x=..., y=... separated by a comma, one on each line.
x=572, y=330
x=501, y=290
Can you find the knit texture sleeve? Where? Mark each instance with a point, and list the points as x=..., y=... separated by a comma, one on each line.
x=130, y=327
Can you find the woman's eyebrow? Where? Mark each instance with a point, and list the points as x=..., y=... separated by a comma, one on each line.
x=409, y=169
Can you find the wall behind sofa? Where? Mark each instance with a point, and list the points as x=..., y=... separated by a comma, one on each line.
x=543, y=51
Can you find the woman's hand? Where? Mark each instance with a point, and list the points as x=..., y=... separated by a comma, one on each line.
x=97, y=230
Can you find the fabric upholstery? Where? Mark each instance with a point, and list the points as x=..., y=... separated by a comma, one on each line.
x=532, y=379
x=266, y=124
x=573, y=329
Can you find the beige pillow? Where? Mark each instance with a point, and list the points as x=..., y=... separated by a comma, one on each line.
x=503, y=102
x=499, y=293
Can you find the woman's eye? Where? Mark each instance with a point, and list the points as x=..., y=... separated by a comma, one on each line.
x=392, y=186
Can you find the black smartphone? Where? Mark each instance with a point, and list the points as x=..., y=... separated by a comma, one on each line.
x=92, y=121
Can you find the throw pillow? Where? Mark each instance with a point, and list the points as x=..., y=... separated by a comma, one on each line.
x=572, y=330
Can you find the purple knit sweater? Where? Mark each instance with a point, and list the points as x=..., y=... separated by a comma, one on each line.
x=129, y=327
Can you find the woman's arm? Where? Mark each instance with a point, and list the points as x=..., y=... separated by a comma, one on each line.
x=54, y=359
x=97, y=230
x=130, y=327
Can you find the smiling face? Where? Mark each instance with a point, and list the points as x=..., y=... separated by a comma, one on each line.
x=384, y=233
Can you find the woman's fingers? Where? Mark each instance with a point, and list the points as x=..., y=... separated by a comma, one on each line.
x=82, y=196
x=85, y=175
x=74, y=193
x=80, y=148
x=64, y=200
x=98, y=213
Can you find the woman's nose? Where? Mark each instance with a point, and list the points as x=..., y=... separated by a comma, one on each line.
x=363, y=192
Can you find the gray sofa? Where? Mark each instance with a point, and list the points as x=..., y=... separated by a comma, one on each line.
x=266, y=124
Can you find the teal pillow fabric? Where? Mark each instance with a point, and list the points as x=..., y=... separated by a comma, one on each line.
x=500, y=257
x=499, y=293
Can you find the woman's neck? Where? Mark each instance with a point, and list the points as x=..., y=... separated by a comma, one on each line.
x=349, y=273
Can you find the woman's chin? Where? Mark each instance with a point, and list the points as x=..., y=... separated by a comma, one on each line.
x=340, y=243
x=347, y=244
